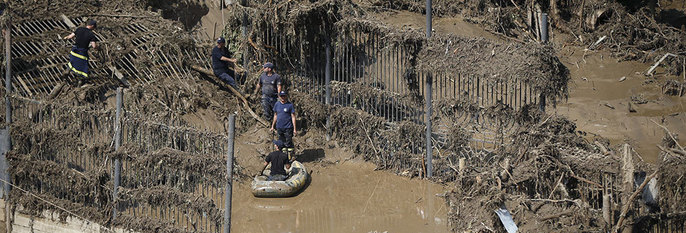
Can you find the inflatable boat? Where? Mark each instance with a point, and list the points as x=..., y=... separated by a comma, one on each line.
x=297, y=179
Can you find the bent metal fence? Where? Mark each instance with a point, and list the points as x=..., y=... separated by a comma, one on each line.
x=163, y=175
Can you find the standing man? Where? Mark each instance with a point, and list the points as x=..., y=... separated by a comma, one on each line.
x=278, y=160
x=78, y=57
x=270, y=82
x=220, y=63
x=284, y=120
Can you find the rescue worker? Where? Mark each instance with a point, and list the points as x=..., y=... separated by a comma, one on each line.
x=220, y=63
x=270, y=83
x=284, y=120
x=279, y=160
x=78, y=57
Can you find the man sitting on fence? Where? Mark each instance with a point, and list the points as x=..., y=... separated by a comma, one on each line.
x=220, y=63
x=278, y=160
x=270, y=83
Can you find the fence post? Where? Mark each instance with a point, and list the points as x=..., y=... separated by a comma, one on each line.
x=7, y=143
x=427, y=119
x=244, y=32
x=117, y=161
x=541, y=102
x=428, y=18
x=229, y=173
x=544, y=27
x=327, y=82
x=427, y=101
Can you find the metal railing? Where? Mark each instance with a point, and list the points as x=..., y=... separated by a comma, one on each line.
x=82, y=139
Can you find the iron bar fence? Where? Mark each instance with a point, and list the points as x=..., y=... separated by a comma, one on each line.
x=82, y=139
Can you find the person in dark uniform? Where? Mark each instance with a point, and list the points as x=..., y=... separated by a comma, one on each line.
x=78, y=57
x=220, y=63
x=270, y=83
x=279, y=160
x=284, y=120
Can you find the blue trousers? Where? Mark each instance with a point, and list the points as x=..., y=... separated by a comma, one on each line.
x=78, y=61
x=268, y=107
x=286, y=136
x=228, y=79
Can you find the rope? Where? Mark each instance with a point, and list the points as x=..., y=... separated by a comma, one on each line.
x=53, y=204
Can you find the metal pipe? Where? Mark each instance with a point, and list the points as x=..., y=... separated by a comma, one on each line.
x=428, y=18
x=8, y=105
x=327, y=80
x=427, y=118
x=544, y=27
x=8, y=73
x=427, y=101
x=117, y=161
x=229, y=173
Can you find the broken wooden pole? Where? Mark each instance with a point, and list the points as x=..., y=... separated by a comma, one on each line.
x=120, y=77
x=627, y=177
x=67, y=21
x=240, y=96
x=628, y=202
x=606, y=209
x=652, y=68
x=55, y=91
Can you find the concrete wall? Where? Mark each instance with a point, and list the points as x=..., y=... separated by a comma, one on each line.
x=49, y=224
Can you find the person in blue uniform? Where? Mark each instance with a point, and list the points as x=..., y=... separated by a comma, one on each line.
x=220, y=63
x=270, y=83
x=84, y=40
x=284, y=120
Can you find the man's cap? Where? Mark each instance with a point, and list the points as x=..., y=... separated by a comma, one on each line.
x=278, y=143
x=92, y=22
x=268, y=65
x=283, y=93
x=221, y=40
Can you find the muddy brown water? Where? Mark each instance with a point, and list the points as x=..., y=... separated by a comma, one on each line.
x=599, y=102
x=344, y=195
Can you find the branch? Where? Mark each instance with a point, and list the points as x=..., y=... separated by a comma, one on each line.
x=234, y=91
x=633, y=196
x=670, y=134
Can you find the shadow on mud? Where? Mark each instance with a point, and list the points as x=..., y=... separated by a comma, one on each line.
x=311, y=155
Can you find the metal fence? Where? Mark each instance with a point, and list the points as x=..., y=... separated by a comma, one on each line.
x=379, y=78
x=82, y=129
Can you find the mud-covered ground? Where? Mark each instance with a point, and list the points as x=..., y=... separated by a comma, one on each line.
x=543, y=179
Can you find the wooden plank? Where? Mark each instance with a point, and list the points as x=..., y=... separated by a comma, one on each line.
x=119, y=76
x=23, y=84
x=67, y=21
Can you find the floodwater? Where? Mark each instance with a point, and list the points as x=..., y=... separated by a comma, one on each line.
x=599, y=102
x=345, y=197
